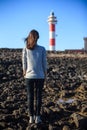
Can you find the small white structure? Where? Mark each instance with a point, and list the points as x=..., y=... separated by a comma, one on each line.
x=52, y=20
x=85, y=43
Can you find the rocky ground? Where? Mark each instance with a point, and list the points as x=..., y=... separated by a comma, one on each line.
x=64, y=93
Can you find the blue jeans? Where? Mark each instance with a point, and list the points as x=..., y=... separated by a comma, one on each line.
x=34, y=95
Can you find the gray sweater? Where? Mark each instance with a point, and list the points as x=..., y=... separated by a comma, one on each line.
x=34, y=62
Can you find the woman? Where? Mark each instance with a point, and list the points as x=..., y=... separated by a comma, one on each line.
x=34, y=71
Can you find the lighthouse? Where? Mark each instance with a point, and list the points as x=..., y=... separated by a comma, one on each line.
x=52, y=20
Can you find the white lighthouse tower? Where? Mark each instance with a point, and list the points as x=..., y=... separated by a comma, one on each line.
x=52, y=20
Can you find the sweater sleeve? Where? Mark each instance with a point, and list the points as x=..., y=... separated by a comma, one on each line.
x=44, y=60
x=24, y=59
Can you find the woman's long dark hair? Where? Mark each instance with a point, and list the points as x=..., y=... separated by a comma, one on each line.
x=32, y=38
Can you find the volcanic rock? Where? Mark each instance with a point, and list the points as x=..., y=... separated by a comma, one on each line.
x=64, y=102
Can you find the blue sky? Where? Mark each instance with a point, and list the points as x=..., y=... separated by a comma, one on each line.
x=18, y=17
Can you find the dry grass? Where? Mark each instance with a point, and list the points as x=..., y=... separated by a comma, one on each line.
x=78, y=55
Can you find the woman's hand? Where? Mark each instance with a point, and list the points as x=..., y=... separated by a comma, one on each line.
x=24, y=72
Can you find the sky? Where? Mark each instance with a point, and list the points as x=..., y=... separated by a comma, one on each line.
x=19, y=17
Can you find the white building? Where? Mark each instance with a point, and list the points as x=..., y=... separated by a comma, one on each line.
x=85, y=43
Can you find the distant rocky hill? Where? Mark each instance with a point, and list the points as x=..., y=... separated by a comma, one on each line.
x=64, y=93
